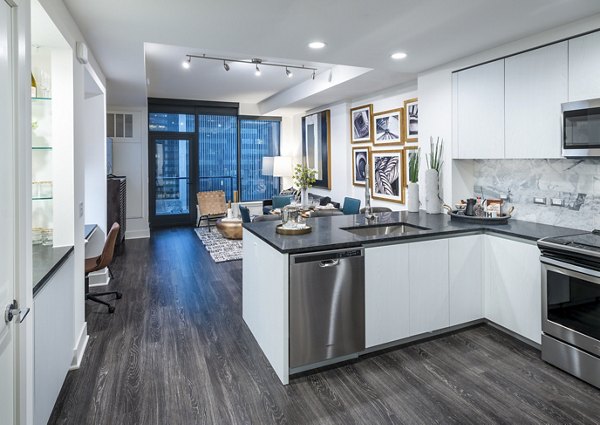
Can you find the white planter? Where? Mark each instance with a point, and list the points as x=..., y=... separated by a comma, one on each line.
x=412, y=202
x=433, y=204
x=304, y=198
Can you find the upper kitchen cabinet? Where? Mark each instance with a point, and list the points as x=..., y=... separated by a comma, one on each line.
x=535, y=87
x=479, y=107
x=584, y=63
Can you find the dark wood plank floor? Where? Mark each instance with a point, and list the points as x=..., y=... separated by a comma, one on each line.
x=177, y=351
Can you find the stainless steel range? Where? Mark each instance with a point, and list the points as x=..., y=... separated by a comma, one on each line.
x=571, y=304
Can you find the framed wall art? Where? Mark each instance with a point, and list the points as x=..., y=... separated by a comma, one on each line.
x=411, y=120
x=387, y=175
x=361, y=124
x=316, y=146
x=360, y=158
x=388, y=127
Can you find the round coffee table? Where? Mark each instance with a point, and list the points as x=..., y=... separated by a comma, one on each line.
x=230, y=228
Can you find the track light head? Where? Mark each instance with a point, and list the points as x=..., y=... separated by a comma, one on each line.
x=257, y=72
x=226, y=66
x=288, y=73
x=314, y=74
x=187, y=63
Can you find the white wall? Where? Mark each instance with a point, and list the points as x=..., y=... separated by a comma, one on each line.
x=435, y=103
x=341, y=148
x=130, y=159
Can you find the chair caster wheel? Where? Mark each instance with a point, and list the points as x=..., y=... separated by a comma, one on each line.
x=111, y=309
x=119, y=295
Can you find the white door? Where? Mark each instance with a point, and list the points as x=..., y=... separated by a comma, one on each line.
x=7, y=215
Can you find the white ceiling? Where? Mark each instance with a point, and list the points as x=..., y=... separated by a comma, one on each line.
x=359, y=34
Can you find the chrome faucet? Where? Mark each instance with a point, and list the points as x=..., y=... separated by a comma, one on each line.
x=368, y=212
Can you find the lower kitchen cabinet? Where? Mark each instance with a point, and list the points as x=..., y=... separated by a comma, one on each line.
x=466, y=279
x=512, y=281
x=428, y=286
x=386, y=294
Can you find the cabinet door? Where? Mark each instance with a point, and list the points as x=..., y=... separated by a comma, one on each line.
x=466, y=279
x=386, y=294
x=428, y=281
x=480, y=110
x=584, y=63
x=536, y=85
x=513, y=286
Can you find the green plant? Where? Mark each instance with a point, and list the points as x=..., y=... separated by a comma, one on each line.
x=304, y=176
x=434, y=158
x=413, y=166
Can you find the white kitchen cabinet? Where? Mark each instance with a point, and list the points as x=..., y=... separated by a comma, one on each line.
x=480, y=111
x=386, y=294
x=584, y=63
x=535, y=87
x=466, y=279
x=428, y=286
x=513, y=286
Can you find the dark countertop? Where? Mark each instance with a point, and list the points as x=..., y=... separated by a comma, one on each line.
x=327, y=232
x=46, y=260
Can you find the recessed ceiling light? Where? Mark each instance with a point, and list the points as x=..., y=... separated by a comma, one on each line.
x=398, y=55
x=316, y=45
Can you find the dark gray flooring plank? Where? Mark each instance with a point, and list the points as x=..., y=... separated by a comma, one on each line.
x=176, y=351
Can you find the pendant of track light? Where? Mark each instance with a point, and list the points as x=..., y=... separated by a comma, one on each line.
x=187, y=63
x=257, y=72
x=288, y=73
x=313, y=75
x=257, y=61
x=226, y=66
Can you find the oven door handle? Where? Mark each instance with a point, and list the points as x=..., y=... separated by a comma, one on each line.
x=570, y=267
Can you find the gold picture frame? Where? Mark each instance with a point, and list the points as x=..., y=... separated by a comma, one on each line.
x=356, y=167
x=361, y=124
x=388, y=127
x=387, y=175
x=410, y=133
x=316, y=146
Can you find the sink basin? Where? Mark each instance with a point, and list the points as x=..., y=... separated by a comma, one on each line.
x=389, y=229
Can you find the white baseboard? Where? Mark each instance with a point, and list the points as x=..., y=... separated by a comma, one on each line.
x=99, y=278
x=137, y=234
x=80, y=348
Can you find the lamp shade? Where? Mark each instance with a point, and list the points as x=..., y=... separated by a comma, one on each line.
x=267, y=166
x=282, y=166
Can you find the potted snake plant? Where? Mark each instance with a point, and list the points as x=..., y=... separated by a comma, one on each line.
x=413, y=180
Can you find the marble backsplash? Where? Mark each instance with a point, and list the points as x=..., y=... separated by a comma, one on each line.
x=575, y=181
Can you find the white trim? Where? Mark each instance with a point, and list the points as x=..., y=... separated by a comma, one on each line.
x=137, y=234
x=80, y=347
x=99, y=278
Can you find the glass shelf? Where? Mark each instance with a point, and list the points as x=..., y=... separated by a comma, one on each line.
x=41, y=98
x=41, y=148
x=42, y=199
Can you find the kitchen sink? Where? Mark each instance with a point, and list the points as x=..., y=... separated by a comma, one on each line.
x=389, y=229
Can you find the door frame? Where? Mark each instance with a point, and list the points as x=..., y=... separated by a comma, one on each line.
x=178, y=219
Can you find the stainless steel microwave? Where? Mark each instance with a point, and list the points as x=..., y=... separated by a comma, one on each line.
x=581, y=128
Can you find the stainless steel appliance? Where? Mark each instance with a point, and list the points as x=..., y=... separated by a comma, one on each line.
x=571, y=304
x=581, y=128
x=326, y=306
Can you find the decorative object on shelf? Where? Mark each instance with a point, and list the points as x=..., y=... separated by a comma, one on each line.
x=361, y=124
x=360, y=159
x=460, y=215
x=304, y=177
x=316, y=146
x=387, y=175
x=33, y=86
x=433, y=203
x=411, y=120
x=388, y=127
x=412, y=156
x=302, y=230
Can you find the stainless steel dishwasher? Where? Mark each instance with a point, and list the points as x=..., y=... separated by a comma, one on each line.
x=327, y=306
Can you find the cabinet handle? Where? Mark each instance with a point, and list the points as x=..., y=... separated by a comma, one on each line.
x=329, y=263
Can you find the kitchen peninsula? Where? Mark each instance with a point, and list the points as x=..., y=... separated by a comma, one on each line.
x=431, y=276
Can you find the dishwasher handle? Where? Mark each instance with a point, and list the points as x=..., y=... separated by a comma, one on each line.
x=329, y=263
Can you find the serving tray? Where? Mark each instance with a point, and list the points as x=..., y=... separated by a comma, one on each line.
x=284, y=231
x=459, y=215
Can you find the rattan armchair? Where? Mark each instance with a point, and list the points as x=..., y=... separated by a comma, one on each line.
x=211, y=205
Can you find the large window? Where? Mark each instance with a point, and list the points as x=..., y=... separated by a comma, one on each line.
x=204, y=146
x=259, y=138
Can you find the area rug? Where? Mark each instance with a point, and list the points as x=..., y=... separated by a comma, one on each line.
x=219, y=248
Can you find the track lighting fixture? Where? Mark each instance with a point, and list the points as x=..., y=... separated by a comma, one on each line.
x=255, y=61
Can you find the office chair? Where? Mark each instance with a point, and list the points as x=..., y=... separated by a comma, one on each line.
x=97, y=263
